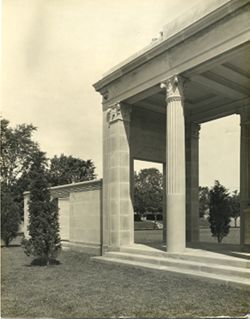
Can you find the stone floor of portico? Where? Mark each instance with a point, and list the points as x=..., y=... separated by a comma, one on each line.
x=209, y=262
x=203, y=248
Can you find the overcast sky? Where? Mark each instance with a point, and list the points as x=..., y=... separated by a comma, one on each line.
x=54, y=50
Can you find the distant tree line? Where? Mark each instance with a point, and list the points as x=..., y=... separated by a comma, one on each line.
x=148, y=191
x=216, y=202
x=20, y=155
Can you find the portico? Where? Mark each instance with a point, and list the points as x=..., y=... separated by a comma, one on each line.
x=153, y=105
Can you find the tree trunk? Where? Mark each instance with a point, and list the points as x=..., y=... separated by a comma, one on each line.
x=219, y=239
x=7, y=242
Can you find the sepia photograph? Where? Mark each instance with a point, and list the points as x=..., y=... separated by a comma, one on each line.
x=125, y=159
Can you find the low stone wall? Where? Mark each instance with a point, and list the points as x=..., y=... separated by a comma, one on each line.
x=80, y=213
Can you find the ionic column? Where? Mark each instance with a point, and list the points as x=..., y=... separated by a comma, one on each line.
x=192, y=181
x=117, y=204
x=245, y=178
x=175, y=159
x=164, y=208
x=132, y=185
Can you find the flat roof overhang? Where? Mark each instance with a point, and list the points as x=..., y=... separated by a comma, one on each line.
x=212, y=55
x=212, y=90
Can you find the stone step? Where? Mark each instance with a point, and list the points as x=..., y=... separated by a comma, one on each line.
x=184, y=264
x=146, y=263
x=196, y=255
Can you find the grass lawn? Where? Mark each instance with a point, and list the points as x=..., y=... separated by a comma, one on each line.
x=80, y=287
x=150, y=236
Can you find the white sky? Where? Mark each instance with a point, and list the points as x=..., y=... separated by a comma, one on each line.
x=54, y=50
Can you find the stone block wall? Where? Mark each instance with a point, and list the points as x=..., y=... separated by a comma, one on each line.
x=148, y=136
x=80, y=215
x=64, y=213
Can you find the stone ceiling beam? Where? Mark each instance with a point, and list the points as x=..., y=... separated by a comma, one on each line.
x=143, y=95
x=218, y=111
x=217, y=87
x=234, y=76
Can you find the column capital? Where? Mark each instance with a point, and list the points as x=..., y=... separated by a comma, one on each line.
x=119, y=111
x=244, y=113
x=193, y=129
x=174, y=88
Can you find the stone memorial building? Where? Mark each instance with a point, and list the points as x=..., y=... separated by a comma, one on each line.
x=153, y=104
x=197, y=70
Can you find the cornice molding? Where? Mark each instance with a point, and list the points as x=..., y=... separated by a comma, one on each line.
x=63, y=191
x=152, y=51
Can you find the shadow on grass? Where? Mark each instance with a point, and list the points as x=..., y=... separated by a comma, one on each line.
x=41, y=262
x=11, y=246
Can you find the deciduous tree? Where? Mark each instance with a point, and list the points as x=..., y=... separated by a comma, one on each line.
x=234, y=203
x=10, y=217
x=148, y=191
x=17, y=149
x=67, y=169
x=203, y=200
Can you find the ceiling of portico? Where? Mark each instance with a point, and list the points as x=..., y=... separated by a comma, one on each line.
x=214, y=89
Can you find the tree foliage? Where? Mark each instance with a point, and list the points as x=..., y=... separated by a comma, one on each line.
x=17, y=149
x=67, y=169
x=44, y=242
x=234, y=203
x=148, y=191
x=203, y=200
x=10, y=217
x=219, y=211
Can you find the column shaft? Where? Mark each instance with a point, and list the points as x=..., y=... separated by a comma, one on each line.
x=192, y=182
x=175, y=158
x=245, y=179
x=117, y=204
x=164, y=208
x=132, y=185
x=105, y=188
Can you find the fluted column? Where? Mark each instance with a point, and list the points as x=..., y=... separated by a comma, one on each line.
x=192, y=181
x=117, y=204
x=164, y=206
x=175, y=159
x=245, y=178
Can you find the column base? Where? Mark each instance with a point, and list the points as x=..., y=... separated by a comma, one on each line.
x=192, y=236
x=245, y=248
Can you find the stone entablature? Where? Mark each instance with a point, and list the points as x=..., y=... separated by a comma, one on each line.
x=63, y=191
x=124, y=80
x=184, y=26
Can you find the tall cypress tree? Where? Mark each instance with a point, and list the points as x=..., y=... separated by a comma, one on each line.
x=219, y=211
x=44, y=242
